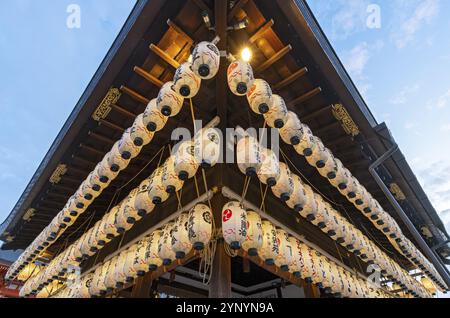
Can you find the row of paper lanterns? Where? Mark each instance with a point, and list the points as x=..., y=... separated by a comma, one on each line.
x=245, y=229
x=189, y=231
x=262, y=101
x=165, y=180
x=186, y=84
x=255, y=160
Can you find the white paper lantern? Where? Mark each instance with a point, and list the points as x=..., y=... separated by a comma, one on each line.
x=285, y=251
x=184, y=160
x=103, y=169
x=151, y=255
x=86, y=281
x=170, y=181
x=297, y=199
x=200, y=226
x=207, y=147
x=110, y=279
x=292, y=131
x=152, y=117
x=295, y=267
x=342, y=176
x=259, y=96
x=143, y=203
x=126, y=145
x=129, y=271
x=140, y=265
x=329, y=168
x=169, y=102
x=156, y=190
x=205, y=60
x=269, y=170
x=110, y=228
x=308, y=268
x=307, y=143
x=248, y=155
x=120, y=220
x=119, y=270
x=234, y=224
x=165, y=251
x=310, y=206
x=240, y=77
x=254, y=239
x=181, y=244
x=185, y=81
x=285, y=185
x=139, y=133
x=270, y=248
x=277, y=115
x=130, y=212
x=115, y=159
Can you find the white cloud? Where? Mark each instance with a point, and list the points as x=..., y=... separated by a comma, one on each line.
x=441, y=102
x=423, y=14
x=445, y=128
x=403, y=95
x=356, y=59
x=350, y=17
x=409, y=125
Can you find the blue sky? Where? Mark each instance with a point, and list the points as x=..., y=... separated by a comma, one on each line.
x=401, y=69
x=45, y=67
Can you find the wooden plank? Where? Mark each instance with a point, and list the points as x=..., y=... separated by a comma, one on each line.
x=134, y=95
x=178, y=30
x=316, y=113
x=261, y=31
x=111, y=125
x=202, y=6
x=238, y=6
x=273, y=59
x=142, y=287
x=305, y=96
x=164, y=56
x=290, y=79
x=123, y=111
x=149, y=77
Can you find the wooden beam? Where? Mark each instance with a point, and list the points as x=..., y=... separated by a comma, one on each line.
x=123, y=111
x=273, y=59
x=290, y=79
x=142, y=287
x=111, y=125
x=316, y=113
x=164, y=56
x=305, y=96
x=101, y=138
x=178, y=30
x=261, y=31
x=149, y=77
x=134, y=95
x=236, y=8
x=92, y=149
x=325, y=128
x=203, y=7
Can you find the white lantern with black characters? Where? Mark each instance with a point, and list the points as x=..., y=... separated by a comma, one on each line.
x=181, y=244
x=200, y=226
x=169, y=102
x=270, y=248
x=248, y=155
x=292, y=131
x=234, y=224
x=139, y=133
x=207, y=147
x=277, y=115
x=185, y=81
x=169, y=178
x=254, y=239
x=152, y=117
x=259, y=96
x=152, y=258
x=285, y=185
x=240, y=77
x=269, y=171
x=205, y=60
x=165, y=251
x=186, y=165
x=126, y=145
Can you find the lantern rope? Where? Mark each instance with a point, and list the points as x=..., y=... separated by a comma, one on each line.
x=196, y=186
x=207, y=255
x=205, y=183
x=263, y=197
x=192, y=114
x=245, y=189
x=179, y=192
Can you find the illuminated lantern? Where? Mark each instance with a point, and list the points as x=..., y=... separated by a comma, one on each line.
x=100, y=235
x=269, y=171
x=169, y=102
x=169, y=178
x=185, y=81
x=205, y=60
x=353, y=188
x=234, y=224
x=207, y=147
x=156, y=190
x=115, y=159
x=73, y=205
x=98, y=287
x=200, y=226
x=184, y=160
x=143, y=203
x=119, y=270
x=295, y=267
x=181, y=244
x=254, y=239
x=259, y=96
x=130, y=212
x=329, y=169
x=307, y=143
x=120, y=220
x=320, y=155
x=90, y=191
x=306, y=263
x=110, y=280
x=152, y=117
x=80, y=199
x=341, y=176
x=126, y=145
x=285, y=251
x=103, y=169
x=86, y=281
x=139, y=133
x=240, y=77
x=277, y=115
x=330, y=222
x=110, y=228
x=285, y=185
x=292, y=131
x=129, y=271
x=248, y=155
x=165, y=251
x=151, y=254
x=310, y=206
x=328, y=275
x=270, y=248
x=87, y=248
x=140, y=264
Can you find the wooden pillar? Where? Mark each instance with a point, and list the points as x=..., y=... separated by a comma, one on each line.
x=142, y=287
x=311, y=291
x=220, y=285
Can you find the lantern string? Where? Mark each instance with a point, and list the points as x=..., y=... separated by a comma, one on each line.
x=192, y=114
x=263, y=197
x=196, y=186
x=245, y=188
x=205, y=183
x=179, y=192
x=261, y=138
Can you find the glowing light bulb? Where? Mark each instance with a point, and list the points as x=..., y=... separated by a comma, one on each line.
x=246, y=54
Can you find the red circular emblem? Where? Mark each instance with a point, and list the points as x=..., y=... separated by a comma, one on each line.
x=226, y=215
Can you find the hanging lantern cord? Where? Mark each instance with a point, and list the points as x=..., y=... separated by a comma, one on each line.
x=205, y=184
x=245, y=189
x=192, y=114
x=179, y=192
x=263, y=197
